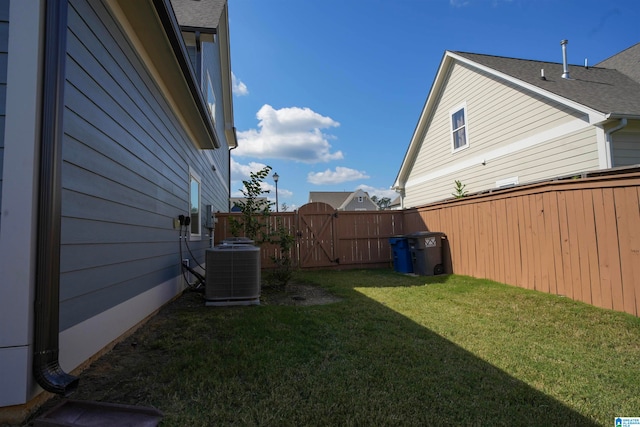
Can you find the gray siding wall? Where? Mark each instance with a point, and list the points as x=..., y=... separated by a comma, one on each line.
x=4, y=47
x=125, y=172
x=626, y=145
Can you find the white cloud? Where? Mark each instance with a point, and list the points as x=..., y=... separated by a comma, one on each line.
x=241, y=172
x=289, y=133
x=379, y=192
x=341, y=174
x=238, y=87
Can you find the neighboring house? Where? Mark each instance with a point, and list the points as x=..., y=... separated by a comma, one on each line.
x=395, y=204
x=491, y=121
x=116, y=119
x=358, y=200
x=260, y=202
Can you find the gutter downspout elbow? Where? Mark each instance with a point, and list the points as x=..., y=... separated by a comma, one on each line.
x=609, y=138
x=46, y=364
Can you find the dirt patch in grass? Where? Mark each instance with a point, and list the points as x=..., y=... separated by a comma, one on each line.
x=297, y=294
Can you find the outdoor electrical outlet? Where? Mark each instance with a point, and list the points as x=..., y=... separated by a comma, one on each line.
x=176, y=223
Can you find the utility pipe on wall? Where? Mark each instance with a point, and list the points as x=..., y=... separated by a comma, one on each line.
x=46, y=364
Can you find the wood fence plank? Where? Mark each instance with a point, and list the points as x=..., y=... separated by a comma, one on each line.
x=627, y=213
x=634, y=238
x=482, y=238
x=503, y=240
x=606, y=247
x=531, y=235
x=583, y=247
x=579, y=265
x=482, y=241
x=613, y=243
x=489, y=215
x=525, y=239
x=550, y=238
x=570, y=245
x=592, y=247
x=463, y=243
x=515, y=258
x=558, y=256
x=542, y=275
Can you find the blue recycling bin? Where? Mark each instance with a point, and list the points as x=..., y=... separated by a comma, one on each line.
x=402, y=262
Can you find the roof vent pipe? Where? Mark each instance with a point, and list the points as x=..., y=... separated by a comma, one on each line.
x=46, y=365
x=565, y=66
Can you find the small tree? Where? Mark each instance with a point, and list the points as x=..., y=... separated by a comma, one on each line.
x=254, y=224
x=459, y=190
x=283, y=270
x=382, y=203
x=253, y=221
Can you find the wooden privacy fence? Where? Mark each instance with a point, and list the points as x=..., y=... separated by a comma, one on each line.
x=576, y=238
x=326, y=238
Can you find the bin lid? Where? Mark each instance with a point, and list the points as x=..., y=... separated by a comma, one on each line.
x=238, y=241
x=426, y=234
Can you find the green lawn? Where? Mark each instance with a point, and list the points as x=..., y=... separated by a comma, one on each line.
x=397, y=350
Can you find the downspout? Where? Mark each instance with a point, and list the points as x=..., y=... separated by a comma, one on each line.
x=229, y=178
x=609, y=138
x=46, y=364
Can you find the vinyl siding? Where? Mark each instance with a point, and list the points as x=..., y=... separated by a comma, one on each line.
x=4, y=47
x=498, y=114
x=626, y=145
x=125, y=177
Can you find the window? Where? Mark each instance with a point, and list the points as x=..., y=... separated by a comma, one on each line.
x=211, y=97
x=194, y=204
x=459, y=137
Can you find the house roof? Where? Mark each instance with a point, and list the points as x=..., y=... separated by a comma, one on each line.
x=606, y=90
x=627, y=62
x=600, y=92
x=200, y=14
x=333, y=198
x=338, y=199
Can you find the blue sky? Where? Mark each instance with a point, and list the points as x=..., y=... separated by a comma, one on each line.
x=328, y=92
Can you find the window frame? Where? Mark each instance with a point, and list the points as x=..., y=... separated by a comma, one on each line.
x=452, y=130
x=195, y=223
x=210, y=90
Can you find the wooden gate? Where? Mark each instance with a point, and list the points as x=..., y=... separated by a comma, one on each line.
x=315, y=235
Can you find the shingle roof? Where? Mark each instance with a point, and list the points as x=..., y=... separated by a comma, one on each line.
x=627, y=62
x=606, y=90
x=333, y=198
x=198, y=13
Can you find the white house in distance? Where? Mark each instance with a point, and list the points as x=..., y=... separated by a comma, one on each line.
x=491, y=122
x=117, y=118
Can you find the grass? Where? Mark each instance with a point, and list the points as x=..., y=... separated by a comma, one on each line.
x=397, y=350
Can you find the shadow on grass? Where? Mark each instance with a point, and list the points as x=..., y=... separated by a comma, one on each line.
x=447, y=384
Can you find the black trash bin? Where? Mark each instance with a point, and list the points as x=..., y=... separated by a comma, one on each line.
x=426, y=252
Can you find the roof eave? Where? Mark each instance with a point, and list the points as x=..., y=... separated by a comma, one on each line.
x=418, y=133
x=616, y=116
x=594, y=115
x=154, y=30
